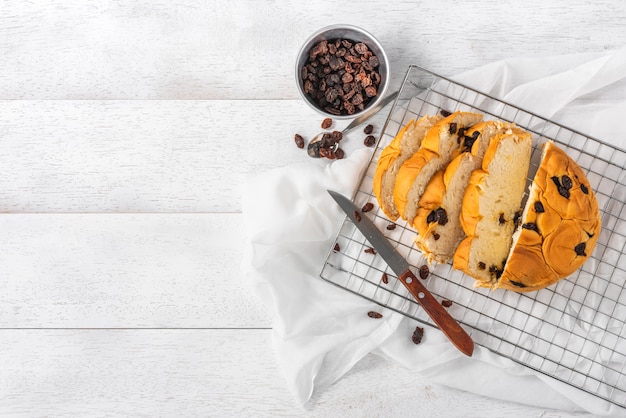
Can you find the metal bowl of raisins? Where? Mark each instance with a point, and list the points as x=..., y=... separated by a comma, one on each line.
x=342, y=71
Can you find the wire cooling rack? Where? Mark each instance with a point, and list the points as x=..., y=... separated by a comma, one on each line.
x=573, y=331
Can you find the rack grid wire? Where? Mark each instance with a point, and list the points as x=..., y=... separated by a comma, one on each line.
x=573, y=331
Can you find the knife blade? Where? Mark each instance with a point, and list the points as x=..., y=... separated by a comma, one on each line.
x=440, y=316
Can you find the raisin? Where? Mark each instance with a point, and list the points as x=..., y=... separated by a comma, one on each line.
x=336, y=136
x=482, y=265
x=563, y=191
x=436, y=236
x=445, y=113
x=299, y=141
x=327, y=153
x=584, y=189
x=469, y=141
x=391, y=227
x=385, y=278
x=539, y=207
x=531, y=225
x=368, y=129
x=367, y=207
x=438, y=215
x=370, y=250
x=418, y=334
x=336, y=248
x=453, y=128
x=517, y=217
x=497, y=272
x=361, y=48
x=369, y=141
x=338, y=68
x=327, y=123
x=580, y=249
x=501, y=219
x=446, y=303
x=442, y=216
x=567, y=182
x=357, y=216
x=424, y=272
x=373, y=314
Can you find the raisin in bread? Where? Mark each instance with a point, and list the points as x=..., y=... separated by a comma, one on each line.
x=491, y=203
x=439, y=146
x=403, y=146
x=437, y=221
x=560, y=227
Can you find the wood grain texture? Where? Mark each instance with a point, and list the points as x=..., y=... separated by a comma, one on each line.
x=214, y=373
x=147, y=156
x=127, y=130
x=246, y=50
x=125, y=271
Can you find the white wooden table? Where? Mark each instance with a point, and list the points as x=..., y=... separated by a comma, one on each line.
x=126, y=132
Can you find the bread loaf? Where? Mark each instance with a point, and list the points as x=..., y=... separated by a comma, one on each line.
x=403, y=146
x=437, y=220
x=491, y=205
x=460, y=183
x=439, y=146
x=560, y=225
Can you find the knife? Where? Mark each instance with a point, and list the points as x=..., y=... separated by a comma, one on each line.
x=448, y=325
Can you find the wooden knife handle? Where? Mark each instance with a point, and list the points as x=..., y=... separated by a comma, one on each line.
x=448, y=325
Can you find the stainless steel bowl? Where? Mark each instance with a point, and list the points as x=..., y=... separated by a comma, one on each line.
x=352, y=33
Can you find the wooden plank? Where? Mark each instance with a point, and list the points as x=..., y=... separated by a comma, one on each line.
x=245, y=49
x=125, y=270
x=147, y=156
x=221, y=373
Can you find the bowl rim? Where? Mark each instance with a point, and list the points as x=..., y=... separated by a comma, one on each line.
x=308, y=43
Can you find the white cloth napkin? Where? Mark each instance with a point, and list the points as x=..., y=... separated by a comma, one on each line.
x=320, y=331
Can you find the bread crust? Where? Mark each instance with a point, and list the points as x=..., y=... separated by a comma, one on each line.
x=405, y=143
x=562, y=225
x=488, y=210
x=439, y=147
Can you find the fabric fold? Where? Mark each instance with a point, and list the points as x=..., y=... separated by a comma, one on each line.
x=322, y=331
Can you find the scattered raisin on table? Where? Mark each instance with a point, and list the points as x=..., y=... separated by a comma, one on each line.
x=299, y=140
x=327, y=123
x=391, y=226
x=337, y=248
x=424, y=272
x=367, y=207
x=373, y=314
x=418, y=334
x=369, y=140
x=385, y=278
x=446, y=303
x=370, y=250
x=368, y=129
x=357, y=216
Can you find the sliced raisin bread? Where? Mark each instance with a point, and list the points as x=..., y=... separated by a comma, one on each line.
x=403, y=146
x=437, y=221
x=439, y=146
x=491, y=204
x=560, y=225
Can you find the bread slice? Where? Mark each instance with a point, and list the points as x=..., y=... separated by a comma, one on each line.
x=561, y=225
x=439, y=146
x=491, y=206
x=403, y=146
x=437, y=221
